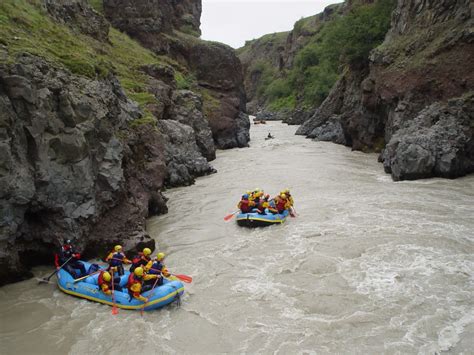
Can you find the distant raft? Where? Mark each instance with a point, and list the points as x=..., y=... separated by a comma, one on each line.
x=88, y=288
x=255, y=219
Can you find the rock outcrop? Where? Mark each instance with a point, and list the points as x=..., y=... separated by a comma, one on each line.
x=77, y=14
x=160, y=28
x=414, y=96
x=78, y=158
x=64, y=167
x=150, y=21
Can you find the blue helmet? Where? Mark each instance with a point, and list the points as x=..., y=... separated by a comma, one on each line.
x=245, y=196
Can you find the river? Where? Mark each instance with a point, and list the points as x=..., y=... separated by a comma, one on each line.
x=367, y=266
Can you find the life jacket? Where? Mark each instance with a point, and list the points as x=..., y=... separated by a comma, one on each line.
x=132, y=279
x=281, y=205
x=156, y=268
x=262, y=204
x=245, y=206
x=139, y=260
x=101, y=280
x=117, y=259
x=64, y=254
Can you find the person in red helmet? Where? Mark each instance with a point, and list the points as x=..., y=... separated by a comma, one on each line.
x=68, y=255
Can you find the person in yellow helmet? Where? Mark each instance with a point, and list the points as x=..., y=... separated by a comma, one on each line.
x=263, y=204
x=281, y=203
x=141, y=259
x=135, y=283
x=288, y=196
x=116, y=259
x=256, y=196
x=105, y=283
x=157, y=267
x=245, y=204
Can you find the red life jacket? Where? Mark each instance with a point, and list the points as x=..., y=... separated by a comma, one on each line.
x=244, y=206
x=132, y=279
x=280, y=205
x=140, y=260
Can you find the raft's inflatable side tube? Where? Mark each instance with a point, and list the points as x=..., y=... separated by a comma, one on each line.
x=88, y=288
x=255, y=219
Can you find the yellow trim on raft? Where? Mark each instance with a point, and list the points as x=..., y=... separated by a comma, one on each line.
x=119, y=305
x=262, y=220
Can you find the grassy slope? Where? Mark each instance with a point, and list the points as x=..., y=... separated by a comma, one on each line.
x=326, y=48
x=25, y=27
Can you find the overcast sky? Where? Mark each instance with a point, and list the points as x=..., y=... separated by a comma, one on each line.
x=235, y=21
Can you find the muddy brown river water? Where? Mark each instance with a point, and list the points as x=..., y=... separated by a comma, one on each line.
x=368, y=266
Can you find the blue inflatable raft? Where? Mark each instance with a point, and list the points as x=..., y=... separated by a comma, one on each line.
x=88, y=288
x=255, y=219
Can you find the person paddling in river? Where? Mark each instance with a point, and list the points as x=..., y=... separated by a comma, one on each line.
x=69, y=255
x=105, y=283
x=263, y=204
x=281, y=203
x=245, y=204
x=135, y=283
x=116, y=259
x=141, y=259
x=157, y=267
x=288, y=196
x=256, y=195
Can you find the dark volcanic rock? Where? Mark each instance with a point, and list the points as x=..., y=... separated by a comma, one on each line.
x=150, y=21
x=219, y=70
x=64, y=170
x=438, y=142
x=415, y=96
x=183, y=158
x=187, y=110
x=160, y=25
x=78, y=14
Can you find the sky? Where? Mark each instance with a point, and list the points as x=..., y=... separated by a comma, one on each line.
x=235, y=21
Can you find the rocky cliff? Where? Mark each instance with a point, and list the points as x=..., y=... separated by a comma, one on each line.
x=159, y=27
x=272, y=56
x=413, y=101
x=93, y=126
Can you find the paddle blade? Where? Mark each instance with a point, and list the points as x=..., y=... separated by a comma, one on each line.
x=114, y=310
x=229, y=216
x=185, y=278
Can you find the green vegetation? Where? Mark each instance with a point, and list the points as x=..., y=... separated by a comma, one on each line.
x=25, y=27
x=210, y=105
x=346, y=40
x=350, y=39
x=98, y=5
x=148, y=118
x=184, y=82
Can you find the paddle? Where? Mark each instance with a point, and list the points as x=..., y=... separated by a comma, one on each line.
x=185, y=278
x=229, y=216
x=85, y=277
x=154, y=285
x=46, y=280
x=114, y=307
